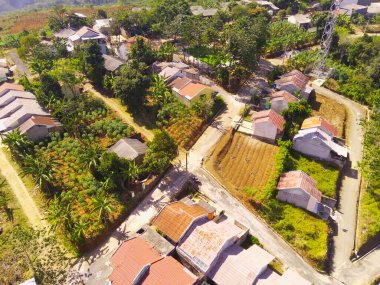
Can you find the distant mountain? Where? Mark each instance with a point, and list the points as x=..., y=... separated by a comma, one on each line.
x=14, y=5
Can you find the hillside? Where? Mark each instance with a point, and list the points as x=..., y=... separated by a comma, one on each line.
x=14, y=5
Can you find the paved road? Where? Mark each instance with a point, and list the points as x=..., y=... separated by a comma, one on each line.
x=120, y=110
x=22, y=194
x=21, y=67
x=363, y=271
x=97, y=261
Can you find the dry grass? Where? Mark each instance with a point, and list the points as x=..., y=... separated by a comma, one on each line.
x=331, y=110
x=242, y=161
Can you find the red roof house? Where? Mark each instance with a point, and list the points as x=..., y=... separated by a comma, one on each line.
x=280, y=100
x=294, y=81
x=298, y=188
x=320, y=123
x=137, y=262
x=268, y=125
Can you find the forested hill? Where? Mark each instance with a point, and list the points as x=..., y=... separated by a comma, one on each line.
x=14, y=5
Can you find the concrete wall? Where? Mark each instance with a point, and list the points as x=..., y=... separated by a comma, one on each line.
x=313, y=147
x=265, y=130
x=294, y=196
x=37, y=133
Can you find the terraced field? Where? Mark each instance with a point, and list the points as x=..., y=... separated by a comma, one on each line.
x=241, y=161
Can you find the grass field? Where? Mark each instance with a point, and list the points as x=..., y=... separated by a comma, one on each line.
x=325, y=176
x=13, y=270
x=334, y=112
x=243, y=162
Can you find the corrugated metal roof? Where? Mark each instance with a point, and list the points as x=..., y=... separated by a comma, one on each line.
x=112, y=63
x=283, y=95
x=13, y=94
x=10, y=86
x=176, y=218
x=128, y=148
x=237, y=266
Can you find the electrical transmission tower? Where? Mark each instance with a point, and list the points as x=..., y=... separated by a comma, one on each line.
x=327, y=36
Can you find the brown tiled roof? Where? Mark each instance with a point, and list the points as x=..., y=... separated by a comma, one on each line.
x=176, y=218
x=39, y=121
x=192, y=89
x=11, y=86
x=180, y=82
x=129, y=260
x=294, y=77
x=318, y=121
x=271, y=116
x=299, y=179
x=284, y=95
x=133, y=40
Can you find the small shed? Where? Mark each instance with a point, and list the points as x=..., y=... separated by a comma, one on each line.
x=131, y=149
x=268, y=125
x=280, y=100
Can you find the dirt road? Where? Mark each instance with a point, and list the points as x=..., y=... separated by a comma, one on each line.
x=120, y=110
x=21, y=67
x=21, y=192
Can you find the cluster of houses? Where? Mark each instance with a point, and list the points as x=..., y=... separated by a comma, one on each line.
x=20, y=110
x=316, y=138
x=183, y=80
x=189, y=243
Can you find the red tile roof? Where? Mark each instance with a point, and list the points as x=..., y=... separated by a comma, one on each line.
x=318, y=121
x=192, y=89
x=134, y=254
x=269, y=115
x=294, y=77
x=299, y=179
x=11, y=86
x=284, y=95
x=180, y=82
x=176, y=218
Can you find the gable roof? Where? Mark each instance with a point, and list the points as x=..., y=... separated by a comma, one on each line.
x=38, y=121
x=175, y=219
x=299, y=179
x=269, y=116
x=13, y=94
x=319, y=122
x=283, y=95
x=204, y=242
x=134, y=254
x=179, y=83
x=238, y=266
x=10, y=86
x=168, y=72
x=192, y=89
x=112, y=63
x=86, y=33
x=128, y=148
x=65, y=33
x=294, y=77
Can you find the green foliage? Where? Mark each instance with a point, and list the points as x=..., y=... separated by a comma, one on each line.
x=132, y=83
x=294, y=116
x=91, y=60
x=142, y=52
x=164, y=11
x=18, y=144
x=369, y=211
x=284, y=36
x=249, y=241
x=162, y=149
x=27, y=43
x=304, y=61
x=326, y=176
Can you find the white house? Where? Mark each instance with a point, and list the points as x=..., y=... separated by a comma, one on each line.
x=299, y=189
x=86, y=34
x=268, y=125
x=102, y=26
x=280, y=100
x=319, y=144
x=294, y=81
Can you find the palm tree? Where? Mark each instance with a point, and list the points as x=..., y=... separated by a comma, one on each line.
x=79, y=230
x=132, y=172
x=103, y=205
x=160, y=92
x=59, y=214
x=18, y=143
x=91, y=155
x=42, y=171
x=4, y=197
x=166, y=51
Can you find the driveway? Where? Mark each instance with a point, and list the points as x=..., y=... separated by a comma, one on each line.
x=21, y=67
x=364, y=270
x=22, y=194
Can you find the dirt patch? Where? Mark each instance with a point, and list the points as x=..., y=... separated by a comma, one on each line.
x=331, y=110
x=240, y=161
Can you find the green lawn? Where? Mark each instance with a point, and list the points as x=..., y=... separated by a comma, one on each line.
x=325, y=176
x=207, y=55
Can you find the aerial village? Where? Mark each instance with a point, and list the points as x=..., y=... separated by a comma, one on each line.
x=191, y=144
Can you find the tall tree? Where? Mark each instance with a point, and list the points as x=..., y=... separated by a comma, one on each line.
x=18, y=144
x=103, y=205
